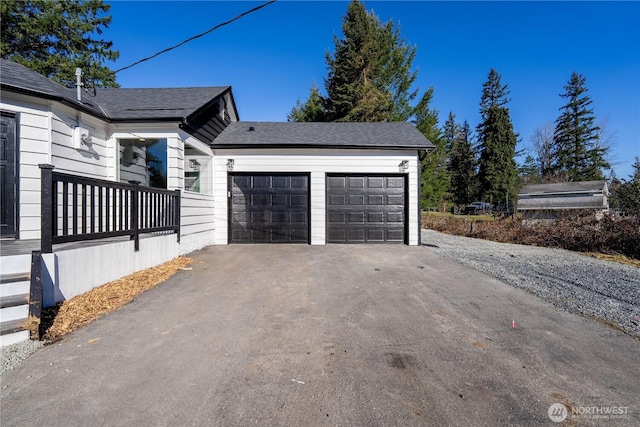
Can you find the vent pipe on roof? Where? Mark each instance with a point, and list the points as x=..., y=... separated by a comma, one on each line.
x=79, y=84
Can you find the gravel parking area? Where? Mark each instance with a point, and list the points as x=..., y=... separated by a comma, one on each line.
x=607, y=291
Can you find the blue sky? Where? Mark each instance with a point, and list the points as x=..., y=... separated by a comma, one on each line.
x=273, y=56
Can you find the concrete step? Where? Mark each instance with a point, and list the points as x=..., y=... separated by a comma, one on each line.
x=15, y=272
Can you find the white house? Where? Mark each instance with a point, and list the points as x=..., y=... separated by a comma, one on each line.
x=239, y=182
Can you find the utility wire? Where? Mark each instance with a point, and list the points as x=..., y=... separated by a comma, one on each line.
x=197, y=36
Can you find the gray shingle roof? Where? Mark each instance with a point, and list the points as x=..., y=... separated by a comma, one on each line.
x=395, y=135
x=18, y=77
x=154, y=104
x=113, y=104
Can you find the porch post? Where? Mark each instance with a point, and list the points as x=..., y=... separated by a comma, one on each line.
x=135, y=227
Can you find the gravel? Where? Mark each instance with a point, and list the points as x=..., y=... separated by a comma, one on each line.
x=605, y=290
x=13, y=354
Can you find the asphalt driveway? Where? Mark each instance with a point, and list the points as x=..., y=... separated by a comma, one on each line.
x=335, y=335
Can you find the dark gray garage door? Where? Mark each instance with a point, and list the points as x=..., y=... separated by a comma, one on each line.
x=366, y=208
x=269, y=208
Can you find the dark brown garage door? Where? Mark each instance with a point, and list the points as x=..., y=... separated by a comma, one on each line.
x=366, y=208
x=269, y=208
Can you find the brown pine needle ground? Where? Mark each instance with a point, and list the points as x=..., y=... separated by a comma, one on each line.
x=83, y=309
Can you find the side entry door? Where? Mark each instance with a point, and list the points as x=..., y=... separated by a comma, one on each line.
x=8, y=178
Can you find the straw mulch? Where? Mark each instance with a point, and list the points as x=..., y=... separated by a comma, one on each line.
x=83, y=309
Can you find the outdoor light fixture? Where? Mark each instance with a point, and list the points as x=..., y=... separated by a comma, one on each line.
x=230, y=164
x=404, y=165
x=194, y=164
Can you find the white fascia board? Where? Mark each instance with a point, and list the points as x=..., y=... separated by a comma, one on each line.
x=194, y=143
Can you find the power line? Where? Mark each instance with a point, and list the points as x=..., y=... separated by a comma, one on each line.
x=197, y=36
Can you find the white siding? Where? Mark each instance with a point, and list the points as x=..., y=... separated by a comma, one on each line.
x=90, y=161
x=196, y=221
x=34, y=129
x=318, y=163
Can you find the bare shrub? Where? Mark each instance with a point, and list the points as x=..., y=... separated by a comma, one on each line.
x=583, y=232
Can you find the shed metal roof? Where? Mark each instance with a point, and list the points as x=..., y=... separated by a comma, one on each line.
x=394, y=135
x=564, y=188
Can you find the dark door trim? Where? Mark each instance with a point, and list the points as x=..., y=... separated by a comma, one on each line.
x=230, y=176
x=10, y=159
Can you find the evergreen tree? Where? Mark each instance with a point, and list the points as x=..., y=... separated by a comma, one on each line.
x=369, y=73
x=311, y=111
x=626, y=195
x=54, y=37
x=433, y=175
x=529, y=172
x=577, y=152
x=462, y=161
x=497, y=143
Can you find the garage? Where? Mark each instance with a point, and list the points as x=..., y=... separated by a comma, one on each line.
x=366, y=208
x=318, y=183
x=269, y=208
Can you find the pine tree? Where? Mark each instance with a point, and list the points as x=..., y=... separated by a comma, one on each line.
x=577, y=153
x=311, y=111
x=462, y=161
x=626, y=196
x=369, y=75
x=529, y=172
x=497, y=143
x=53, y=38
x=433, y=175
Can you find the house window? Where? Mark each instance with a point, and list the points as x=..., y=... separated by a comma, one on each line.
x=144, y=160
x=197, y=171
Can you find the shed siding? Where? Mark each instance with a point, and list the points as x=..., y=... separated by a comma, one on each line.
x=318, y=163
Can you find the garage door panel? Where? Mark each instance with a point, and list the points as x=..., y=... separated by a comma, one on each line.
x=397, y=200
x=301, y=182
x=375, y=199
x=395, y=217
x=356, y=182
x=357, y=200
x=299, y=218
x=337, y=217
x=337, y=200
x=299, y=200
x=366, y=208
x=397, y=182
x=375, y=182
x=336, y=182
x=269, y=208
x=356, y=217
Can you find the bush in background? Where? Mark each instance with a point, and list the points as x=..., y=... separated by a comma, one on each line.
x=584, y=233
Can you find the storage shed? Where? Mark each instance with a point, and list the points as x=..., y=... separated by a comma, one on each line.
x=549, y=201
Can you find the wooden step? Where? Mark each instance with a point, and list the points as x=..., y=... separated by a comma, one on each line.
x=12, y=326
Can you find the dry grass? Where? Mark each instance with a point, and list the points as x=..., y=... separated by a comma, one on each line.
x=616, y=258
x=83, y=309
x=617, y=238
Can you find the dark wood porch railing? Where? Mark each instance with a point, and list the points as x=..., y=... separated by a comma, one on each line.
x=76, y=209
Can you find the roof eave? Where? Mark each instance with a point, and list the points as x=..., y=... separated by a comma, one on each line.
x=48, y=96
x=347, y=146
